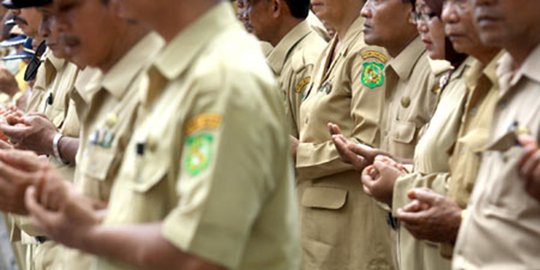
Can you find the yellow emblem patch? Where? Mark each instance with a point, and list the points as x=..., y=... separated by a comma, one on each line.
x=371, y=54
x=302, y=84
x=203, y=121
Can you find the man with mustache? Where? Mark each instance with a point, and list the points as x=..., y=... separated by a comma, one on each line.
x=502, y=226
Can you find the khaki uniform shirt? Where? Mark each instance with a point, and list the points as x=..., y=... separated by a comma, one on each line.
x=412, y=93
x=483, y=87
x=503, y=225
x=209, y=156
x=292, y=61
x=482, y=96
x=430, y=161
x=337, y=217
x=108, y=120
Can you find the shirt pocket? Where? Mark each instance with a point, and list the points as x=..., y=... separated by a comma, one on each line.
x=150, y=169
x=97, y=162
x=404, y=133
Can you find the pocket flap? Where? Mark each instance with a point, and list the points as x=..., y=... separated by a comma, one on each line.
x=404, y=132
x=324, y=197
x=97, y=162
x=153, y=171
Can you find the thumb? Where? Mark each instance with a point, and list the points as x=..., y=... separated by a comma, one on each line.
x=526, y=139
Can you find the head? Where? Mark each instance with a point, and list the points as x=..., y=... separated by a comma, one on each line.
x=50, y=32
x=388, y=24
x=272, y=19
x=333, y=12
x=460, y=28
x=428, y=17
x=241, y=13
x=28, y=19
x=508, y=23
x=91, y=31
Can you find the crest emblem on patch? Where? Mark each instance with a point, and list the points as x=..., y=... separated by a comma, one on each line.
x=373, y=74
x=198, y=153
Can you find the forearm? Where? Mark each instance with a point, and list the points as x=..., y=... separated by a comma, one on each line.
x=142, y=246
x=67, y=147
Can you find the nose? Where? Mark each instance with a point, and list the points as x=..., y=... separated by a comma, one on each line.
x=449, y=14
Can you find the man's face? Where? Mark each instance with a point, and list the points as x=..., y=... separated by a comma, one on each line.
x=136, y=9
x=506, y=21
x=87, y=29
x=459, y=25
x=259, y=13
x=333, y=11
x=385, y=20
x=51, y=33
x=28, y=19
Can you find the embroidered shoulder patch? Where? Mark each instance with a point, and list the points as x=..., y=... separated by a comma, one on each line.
x=302, y=84
x=373, y=74
x=371, y=54
x=203, y=121
x=199, y=152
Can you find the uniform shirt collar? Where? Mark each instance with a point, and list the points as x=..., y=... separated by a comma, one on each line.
x=122, y=74
x=279, y=54
x=182, y=50
x=529, y=70
x=405, y=61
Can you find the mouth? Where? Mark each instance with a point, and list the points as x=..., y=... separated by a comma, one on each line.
x=485, y=19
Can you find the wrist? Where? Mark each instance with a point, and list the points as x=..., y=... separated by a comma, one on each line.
x=56, y=148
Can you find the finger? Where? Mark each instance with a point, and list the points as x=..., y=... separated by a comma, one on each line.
x=14, y=118
x=411, y=218
x=334, y=129
x=23, y=160
x=39, y=215
x=424, y=195
x=15, y=133
x=413, y=206
x=12, y=175
x=529, y=165
x=526, y=139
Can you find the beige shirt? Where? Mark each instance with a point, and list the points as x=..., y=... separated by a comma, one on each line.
x=483, y=86
x=108, y=105
x=412, y=93
x=503, y=225
x=209, y=156
x=337, y=217
x=292, y=61
x=431, y=161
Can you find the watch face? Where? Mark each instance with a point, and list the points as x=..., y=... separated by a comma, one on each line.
x=35, y=62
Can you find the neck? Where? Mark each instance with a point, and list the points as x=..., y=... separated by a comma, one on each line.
x=485, y=55
x=520, y=51
x=396, y=48
x=343, y=26
x=130, y=37
x=177, y=15
x=287, y=24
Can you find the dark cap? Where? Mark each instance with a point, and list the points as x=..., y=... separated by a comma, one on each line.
x=25, y=3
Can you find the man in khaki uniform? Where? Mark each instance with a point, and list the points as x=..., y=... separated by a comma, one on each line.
x=411, y=95
x=502, y=223
x=337, y=217
x=296, y=48
x=189, y=175
x=57, y=116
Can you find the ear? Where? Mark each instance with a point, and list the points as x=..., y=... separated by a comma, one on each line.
x=277, y=7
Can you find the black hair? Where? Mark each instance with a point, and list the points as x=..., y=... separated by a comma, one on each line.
x=299, y=8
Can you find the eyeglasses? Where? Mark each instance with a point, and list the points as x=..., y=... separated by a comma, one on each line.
x=422, y=17
x=35, y=62
x=461, y=4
